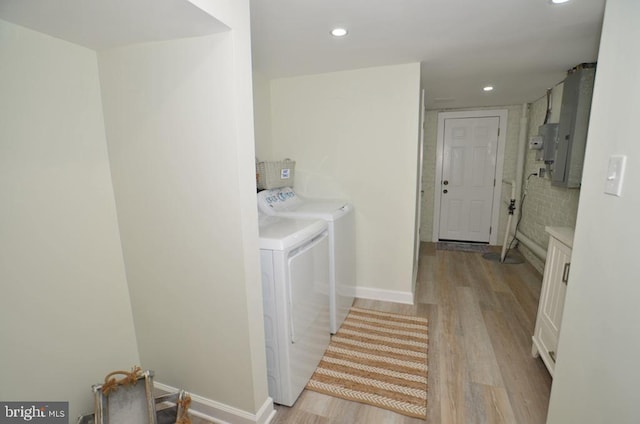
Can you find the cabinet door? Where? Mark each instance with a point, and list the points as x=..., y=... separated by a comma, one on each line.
x=554, y=287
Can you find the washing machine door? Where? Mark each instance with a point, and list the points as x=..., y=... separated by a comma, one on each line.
x=309, y=306
x=308, y=287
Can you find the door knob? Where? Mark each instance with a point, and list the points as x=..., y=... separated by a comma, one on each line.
x=445, y=191
x=445, y=182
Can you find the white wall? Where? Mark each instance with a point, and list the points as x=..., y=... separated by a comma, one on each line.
x=597, y=373
x=180, y=137
x=65, y=315
x=179, y=125
x=354, y=135
x=262, y=114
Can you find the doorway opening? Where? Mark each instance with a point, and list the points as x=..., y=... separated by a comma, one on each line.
x=469, y=162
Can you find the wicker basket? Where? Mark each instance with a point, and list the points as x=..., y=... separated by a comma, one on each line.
x=275, y=174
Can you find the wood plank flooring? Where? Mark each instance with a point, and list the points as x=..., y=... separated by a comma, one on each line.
x=481, y=318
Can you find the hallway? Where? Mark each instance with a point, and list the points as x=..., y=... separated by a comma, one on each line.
x=481, y=318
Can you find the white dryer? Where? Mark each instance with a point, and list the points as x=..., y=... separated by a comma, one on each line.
x=294, y=255
x=340, y=217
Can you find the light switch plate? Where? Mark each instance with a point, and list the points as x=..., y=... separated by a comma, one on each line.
x=615, y=174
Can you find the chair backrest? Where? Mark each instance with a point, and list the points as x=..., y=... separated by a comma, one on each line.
x=127, y=401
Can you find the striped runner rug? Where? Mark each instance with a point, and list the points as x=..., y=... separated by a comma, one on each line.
x=377, y=358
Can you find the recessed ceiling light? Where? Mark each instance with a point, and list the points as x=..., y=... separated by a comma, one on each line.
x=339, y=32
x=559, y=1
x=488, y=88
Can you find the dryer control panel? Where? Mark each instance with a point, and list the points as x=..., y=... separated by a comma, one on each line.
x=278, y=200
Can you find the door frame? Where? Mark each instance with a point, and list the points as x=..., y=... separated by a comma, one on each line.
x=502, y=114
x=419, y=192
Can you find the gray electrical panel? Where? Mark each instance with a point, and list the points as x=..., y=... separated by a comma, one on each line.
x=549, y=134
x=573, y=126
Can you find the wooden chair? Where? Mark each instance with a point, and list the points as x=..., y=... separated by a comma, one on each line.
x=130, y=400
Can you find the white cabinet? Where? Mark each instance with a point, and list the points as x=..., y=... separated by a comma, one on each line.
x=554, y=287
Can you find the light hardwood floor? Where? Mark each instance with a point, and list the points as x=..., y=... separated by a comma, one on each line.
x=481, y=317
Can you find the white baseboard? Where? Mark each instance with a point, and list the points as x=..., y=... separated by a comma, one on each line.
x=220, y=413
x=385, y=295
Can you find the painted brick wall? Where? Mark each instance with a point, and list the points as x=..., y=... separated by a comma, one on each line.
x=428, y=174
x=544, y=205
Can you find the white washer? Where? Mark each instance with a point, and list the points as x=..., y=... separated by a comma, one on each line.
x=340, y=217
x=294, y=256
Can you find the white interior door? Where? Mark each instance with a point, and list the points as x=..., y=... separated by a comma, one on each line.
x=468, y=178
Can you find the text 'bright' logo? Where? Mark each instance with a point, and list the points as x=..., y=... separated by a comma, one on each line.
x=38, y=412
x=26, y=413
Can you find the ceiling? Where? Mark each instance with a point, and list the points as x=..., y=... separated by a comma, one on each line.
x=521, y=47
x=111, y=23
